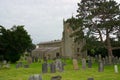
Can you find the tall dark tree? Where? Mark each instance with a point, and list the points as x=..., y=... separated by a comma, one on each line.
x=101, y=20
x=14, y=42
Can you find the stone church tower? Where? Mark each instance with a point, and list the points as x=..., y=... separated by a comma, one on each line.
x=70, y=48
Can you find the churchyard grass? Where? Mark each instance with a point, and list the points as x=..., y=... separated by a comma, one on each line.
x=68, y=74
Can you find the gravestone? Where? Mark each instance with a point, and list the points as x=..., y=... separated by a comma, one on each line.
x=29, y=60
x=83, y=63
x=96, y=58
x=99, y=58
x=116, y=60
x=6, y=66
x=26, y=66
x=31, y=78
x=116, y=68
x=36, y=59
x=119, y=60
x=4, y=62
x=90, y=79
x=33, y=59
x=106, y=60
x=58, y=64
x=56, y=78
x=100, y=66
x=0, y=66
x=44, y=68
x=35, y=77
x=19, y=64
x=52, y=68
x=89, y=62
x=75, y=64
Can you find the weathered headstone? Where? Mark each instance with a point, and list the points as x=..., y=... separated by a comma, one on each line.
x=19, y=64
x=89, y=62
x=90, y=79
x=59, y=65
x=44, y=68
x=52, y=68
x=100, y=66
x=75, y=64
x=56, y=78
x=33, y=59
x=83, y=63
x=106, y=60
x=115, y=60
x=110, y=60
x=116, y=68
x=96, y=58
x=29, y=60
x=35, y=77
x=4, y=62
x=119, y=60
x=36, y=59
x=26, y=66
x=99, y=58
x=6, y=66
x=0, y=66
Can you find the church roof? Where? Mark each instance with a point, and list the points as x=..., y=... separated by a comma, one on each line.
x=45, y=49
x=50, y=42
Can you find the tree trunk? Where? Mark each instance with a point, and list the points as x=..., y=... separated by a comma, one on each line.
x=109, y=47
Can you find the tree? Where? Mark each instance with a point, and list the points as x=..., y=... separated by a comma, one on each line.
x=14, y=42
x=101, y=20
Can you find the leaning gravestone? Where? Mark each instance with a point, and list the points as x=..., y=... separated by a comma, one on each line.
x=83, y=63
x=52, y=68
x=44, y=68
x=35, y=77
x=75, y=64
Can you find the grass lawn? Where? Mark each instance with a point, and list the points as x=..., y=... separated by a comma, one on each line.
x=68, y=74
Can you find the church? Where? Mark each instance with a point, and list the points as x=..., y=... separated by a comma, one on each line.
x=66, y=47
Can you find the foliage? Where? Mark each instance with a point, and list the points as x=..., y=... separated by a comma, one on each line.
x=100, y=23
x=13, y=42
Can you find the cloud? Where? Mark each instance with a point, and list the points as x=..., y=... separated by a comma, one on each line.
x=42, y=19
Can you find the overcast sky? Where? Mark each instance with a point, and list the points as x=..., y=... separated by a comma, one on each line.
x=43, y=19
